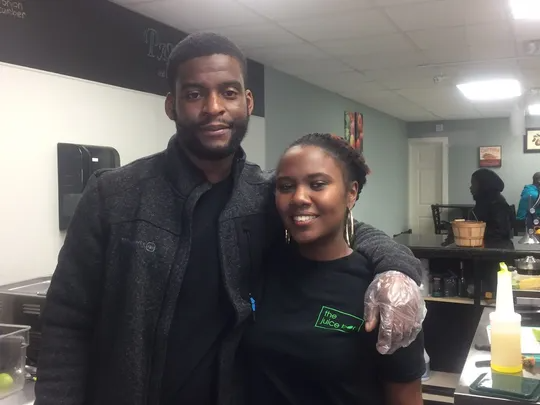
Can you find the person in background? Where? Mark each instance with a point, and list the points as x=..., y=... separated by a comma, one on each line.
x=491, y=207
x=151, y=290
x=307, y=344
x=529, y=195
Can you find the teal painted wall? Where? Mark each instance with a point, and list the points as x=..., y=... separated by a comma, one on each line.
x=464, y=139
x=294, y=108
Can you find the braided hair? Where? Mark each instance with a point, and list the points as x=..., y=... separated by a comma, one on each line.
x=351, y=160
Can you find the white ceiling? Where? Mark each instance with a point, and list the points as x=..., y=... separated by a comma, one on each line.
x=382, y=53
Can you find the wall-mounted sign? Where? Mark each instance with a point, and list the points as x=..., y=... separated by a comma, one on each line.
x=96, y=40
x=490, y=156
x=532, y=141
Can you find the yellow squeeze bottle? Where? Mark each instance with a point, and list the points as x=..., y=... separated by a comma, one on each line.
x=505, y=327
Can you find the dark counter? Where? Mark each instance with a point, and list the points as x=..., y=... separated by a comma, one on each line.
x=471, y=372
x=436, y=246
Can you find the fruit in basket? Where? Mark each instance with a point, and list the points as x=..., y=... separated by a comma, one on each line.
x=6, y=381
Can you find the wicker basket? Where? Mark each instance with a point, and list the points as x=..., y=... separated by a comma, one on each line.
x=469, y=233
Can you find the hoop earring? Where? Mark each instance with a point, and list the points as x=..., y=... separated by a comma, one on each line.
x=349, y=228
x=287, y=237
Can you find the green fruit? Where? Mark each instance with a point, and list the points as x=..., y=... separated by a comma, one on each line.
x=6, y=381
x=536, y=333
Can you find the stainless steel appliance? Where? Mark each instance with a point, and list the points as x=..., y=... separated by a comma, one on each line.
x=22, y=304
x=528, y=266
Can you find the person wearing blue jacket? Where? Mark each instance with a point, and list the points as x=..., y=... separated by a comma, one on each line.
x=530, y=193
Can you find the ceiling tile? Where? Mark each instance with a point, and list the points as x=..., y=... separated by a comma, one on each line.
x=295, y=52
x=386, y=60
x=491, y=41
x=440, y=100
x=430, y=14
x=403, y=78
x=426, y=96
x=495, y=108
x=383, y=96
x=484, y=71
x=452, y=55
x=306, y=68
x=437, y=38
x=526, y=30
x=384, y=3
x=340, y=81
x=480, y=11
x=361, y=89
x=344, y=26
x=357, y=51
x=501, y=50
x=479, y=34
x=366, y=46
x=284, y=10
x=409, y=109
x=129, y=2
x=259, y=35
x=399, y=108
x=531, y=77
x=187, y=15
x=415, y=117
x=531, y=62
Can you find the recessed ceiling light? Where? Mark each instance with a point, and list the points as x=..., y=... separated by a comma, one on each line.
x=534, y=109
x=491, y=90
x=525, y=9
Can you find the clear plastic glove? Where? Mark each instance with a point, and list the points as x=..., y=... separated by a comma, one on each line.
x=395, y=300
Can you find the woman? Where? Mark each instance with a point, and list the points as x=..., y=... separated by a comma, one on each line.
x=308, y=344
x=529, y=195
x=491, y=207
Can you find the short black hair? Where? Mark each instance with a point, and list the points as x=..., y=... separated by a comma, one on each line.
x=201, y=44
x=350, y=159
x=536, y=178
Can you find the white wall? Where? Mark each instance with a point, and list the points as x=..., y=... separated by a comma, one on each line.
x=40, y=109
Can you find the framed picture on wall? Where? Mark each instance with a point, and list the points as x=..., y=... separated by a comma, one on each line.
x=532, y=140
x=354, y=129
x=490, y=156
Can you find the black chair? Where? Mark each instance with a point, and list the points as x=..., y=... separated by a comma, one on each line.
x=442, y=227
x=518, y=225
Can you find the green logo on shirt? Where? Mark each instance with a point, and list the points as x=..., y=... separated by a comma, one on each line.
x=333, y=319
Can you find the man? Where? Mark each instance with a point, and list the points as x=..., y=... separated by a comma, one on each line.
x=156, y=271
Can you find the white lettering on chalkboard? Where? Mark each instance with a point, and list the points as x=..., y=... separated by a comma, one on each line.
x=157, y=49
x=12, y=8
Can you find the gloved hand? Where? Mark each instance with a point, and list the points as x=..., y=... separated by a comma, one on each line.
x=396, y=299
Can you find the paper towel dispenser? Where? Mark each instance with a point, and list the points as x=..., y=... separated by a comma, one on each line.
x=76, y=163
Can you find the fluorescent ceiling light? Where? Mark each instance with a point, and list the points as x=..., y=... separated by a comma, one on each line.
x=534, y=109
x=491, y=90
x=525, y=9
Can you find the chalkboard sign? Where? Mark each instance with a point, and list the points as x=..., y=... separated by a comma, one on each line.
x=98, y=41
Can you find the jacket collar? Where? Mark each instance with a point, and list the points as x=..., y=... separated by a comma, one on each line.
x=185, y=176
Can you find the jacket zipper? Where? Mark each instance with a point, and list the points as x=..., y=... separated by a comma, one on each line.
x=251, y=281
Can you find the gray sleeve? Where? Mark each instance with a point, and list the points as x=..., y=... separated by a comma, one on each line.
x=72, y=305
x=384, y=253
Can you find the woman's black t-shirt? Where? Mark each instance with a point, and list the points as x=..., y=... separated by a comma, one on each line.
x=308, y=344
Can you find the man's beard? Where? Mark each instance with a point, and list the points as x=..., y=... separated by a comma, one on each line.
x=187, y=138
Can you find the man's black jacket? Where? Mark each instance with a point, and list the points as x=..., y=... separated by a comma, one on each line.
x=113, y=293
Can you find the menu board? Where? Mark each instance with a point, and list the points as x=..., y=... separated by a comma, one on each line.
x=96, y=40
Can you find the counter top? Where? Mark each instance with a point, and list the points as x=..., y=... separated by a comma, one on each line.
x=436, y=246
x=24, y=397
x=471, y=372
